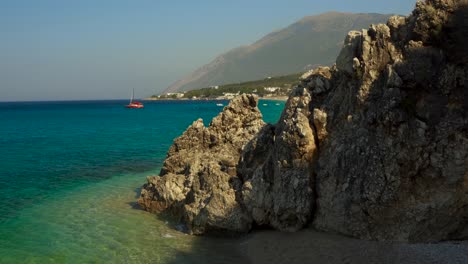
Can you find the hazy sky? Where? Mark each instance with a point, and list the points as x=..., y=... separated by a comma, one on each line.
x=97, y=49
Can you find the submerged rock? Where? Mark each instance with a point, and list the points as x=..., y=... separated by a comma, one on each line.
x=375, y=147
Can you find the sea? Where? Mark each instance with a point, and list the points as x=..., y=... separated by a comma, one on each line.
x=71, y=173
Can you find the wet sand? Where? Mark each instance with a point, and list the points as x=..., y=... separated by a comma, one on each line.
x=309, y=246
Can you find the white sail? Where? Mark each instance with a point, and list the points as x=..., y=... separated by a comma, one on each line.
x=133, y=94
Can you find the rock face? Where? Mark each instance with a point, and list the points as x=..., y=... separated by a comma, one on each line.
x=276, y=169
x=375, y=147
x=394, y=165
x=198, y=182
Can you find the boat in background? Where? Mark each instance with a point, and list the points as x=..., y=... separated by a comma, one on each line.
x=134, y=104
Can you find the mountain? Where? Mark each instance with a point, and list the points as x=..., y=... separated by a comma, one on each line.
x=312, y=41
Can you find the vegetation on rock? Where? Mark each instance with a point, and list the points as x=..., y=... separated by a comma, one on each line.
x=279, y=86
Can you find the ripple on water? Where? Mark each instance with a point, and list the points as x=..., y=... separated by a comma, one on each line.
x=68, y=175
x=94, y=223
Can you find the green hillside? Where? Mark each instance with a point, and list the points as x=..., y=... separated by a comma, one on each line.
x=283, y=84
x=312, y=41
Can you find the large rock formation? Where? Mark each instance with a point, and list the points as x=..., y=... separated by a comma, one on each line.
x=374, y=147
x=395, y=162
x=198, y=182
x=278, y=187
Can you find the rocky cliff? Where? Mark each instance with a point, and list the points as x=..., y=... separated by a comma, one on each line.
x=198, y=181
x=375, y=147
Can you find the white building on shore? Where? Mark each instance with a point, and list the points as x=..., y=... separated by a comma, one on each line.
x=271, y=89
x=177, y=95
x=230, y=95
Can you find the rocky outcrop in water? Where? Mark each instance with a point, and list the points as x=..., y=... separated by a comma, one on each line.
x=374, y=147
x=198, y=182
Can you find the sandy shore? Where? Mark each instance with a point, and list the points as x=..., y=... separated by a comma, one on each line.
x=309, y=246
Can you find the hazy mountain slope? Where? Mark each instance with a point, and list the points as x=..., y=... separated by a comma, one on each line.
x=310, y=41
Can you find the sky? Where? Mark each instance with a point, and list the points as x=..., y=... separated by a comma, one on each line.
x=99, y=49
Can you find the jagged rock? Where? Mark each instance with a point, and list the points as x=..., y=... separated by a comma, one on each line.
x=198, y=182
x=318, y=80
x=320, y=124
x=352, y=47
x=278, y=188
x=397, y=170
x=398, y=29
x=375, y=147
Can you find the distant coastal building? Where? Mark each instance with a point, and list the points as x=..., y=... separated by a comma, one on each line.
x=214, y=87
x=272, y=89
x=177, y=95
x=230, y=95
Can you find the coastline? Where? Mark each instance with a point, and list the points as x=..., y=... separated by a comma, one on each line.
x=275, y=98
x=272, y=98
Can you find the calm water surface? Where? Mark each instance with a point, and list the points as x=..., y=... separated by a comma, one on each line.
x=70, y=174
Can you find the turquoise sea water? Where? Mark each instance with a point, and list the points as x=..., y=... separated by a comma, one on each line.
x=70, y=174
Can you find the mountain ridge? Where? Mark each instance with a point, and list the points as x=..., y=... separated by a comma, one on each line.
x=281, y=52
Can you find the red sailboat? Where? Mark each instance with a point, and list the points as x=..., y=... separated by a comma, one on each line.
x=134, y=104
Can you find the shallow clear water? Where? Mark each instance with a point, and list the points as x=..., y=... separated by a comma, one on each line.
x=70, y=174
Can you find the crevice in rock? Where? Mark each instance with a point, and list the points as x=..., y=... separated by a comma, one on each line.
x=316, y=138
x=313, y=166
